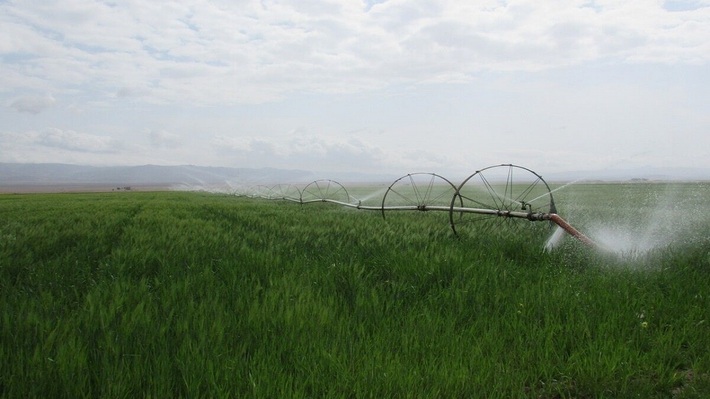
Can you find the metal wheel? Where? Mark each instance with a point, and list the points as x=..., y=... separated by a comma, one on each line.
x=287, y=192
x=492, y=195
x=262, y=191
x=418, y=191
x=325, y=191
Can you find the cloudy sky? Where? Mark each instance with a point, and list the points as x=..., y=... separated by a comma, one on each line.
x=357, y=85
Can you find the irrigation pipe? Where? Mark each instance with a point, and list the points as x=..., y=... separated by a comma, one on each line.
x=524, y=210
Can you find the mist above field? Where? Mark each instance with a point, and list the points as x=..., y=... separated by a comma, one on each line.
x=197, y=177
x=637, y=219
x=367, y=86
x=176, y=177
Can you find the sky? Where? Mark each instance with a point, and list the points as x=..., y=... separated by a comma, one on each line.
x=394, y=86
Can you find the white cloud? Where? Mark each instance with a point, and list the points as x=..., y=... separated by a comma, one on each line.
x=65, y=146
x=432, y=85
x=32, y=104
x=164, y=139
x=67, y=140
x=304, y=151
x=74, y=141
x=250, y=52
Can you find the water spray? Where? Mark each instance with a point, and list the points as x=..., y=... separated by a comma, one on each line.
x=503, y=192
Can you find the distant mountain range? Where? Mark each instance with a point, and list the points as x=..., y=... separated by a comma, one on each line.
x=16, y=176
x=19, y=175
x=145, y=174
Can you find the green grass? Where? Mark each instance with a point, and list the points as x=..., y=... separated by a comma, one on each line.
x=203, y=295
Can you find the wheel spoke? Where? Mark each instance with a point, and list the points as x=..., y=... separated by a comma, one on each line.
x=418, y=190
x=325, y=190
x=506, y=188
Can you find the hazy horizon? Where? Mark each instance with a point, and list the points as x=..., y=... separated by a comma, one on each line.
x=29, y=174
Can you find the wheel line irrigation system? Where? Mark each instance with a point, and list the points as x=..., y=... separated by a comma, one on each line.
x=500, y=191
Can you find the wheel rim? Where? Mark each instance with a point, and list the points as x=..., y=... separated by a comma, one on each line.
x=502, y=188
x=418, y=191
x=325, y=190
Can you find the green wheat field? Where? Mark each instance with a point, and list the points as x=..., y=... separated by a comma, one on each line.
x=192, y=294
